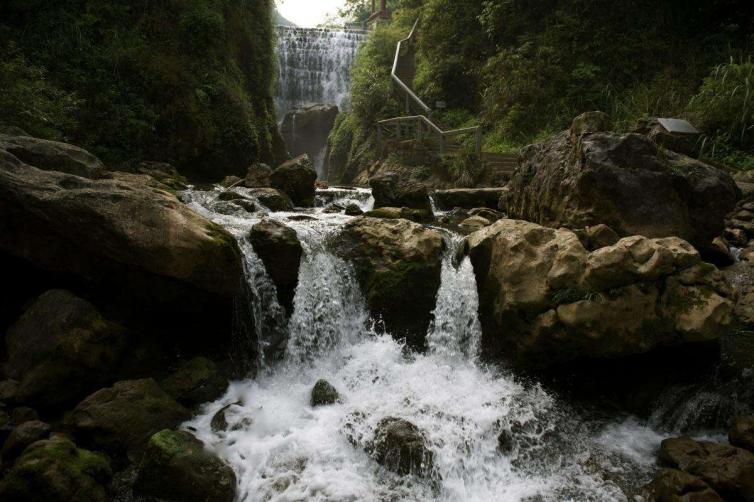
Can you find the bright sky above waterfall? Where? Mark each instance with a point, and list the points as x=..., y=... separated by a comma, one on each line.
x=308, y=13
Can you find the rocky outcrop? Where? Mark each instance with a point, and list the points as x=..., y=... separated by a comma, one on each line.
x=390, y=191
x=61, y=349
x=296, y=178
x=279, y=248
x=55, y=469
x=672, y=485
x=324, y=393
x=397, y=265
x=727, y=469
x=585, y=177
x=545, y=299
x=400, y=447
x=163, y=172
x=196, y=381
x=306, y=130
x=121, y=419
x=467, y=198
x=54, y=156
x=126, y=238
x=177, y=467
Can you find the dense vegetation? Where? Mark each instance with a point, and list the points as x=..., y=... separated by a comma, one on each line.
x=183, y=81
x=525, y=69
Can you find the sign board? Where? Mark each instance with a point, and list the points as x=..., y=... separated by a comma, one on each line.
x=678, y=126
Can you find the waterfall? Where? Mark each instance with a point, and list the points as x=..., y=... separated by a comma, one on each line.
x=313, y=66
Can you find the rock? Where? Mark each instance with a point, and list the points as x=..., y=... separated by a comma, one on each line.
x=61, y=349
x=623, y=181
x=323, y=394
x=742, y=433
x=727, y=469
x=390, y=191
x=718, y=252
x=306, y=130
x=54, y=156
x=736, y=237
x=273, y=199
x=229, y=195
x=279, y=248
x=394, y=213
x=230, y=181
x=600, y=236
x=22, y=436
x=219, y=422
x=125, y=239
x=475, y=223
x=333, y=209
x=55, y=469
x=687, y=144
x=164, y=173
x=8, y=390
x=228, y=208
x=487, y=213
x=353, y=210
x=296, y=178
x=121, y=419
x=672, y=485
x=467, y=198
x=545, y=299
x=591, y=122
x=259, y=176
x=177, y=467
x=197, y=381
x=397, y=265
x=399, y=447
x=23, y=414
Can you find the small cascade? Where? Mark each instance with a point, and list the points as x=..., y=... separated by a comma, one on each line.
x=314, y=66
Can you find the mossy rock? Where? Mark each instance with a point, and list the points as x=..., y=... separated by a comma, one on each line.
x=324, y=393
x=56, y=470
x=197, y=381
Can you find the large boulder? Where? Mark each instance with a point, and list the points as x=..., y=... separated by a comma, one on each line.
x=544, y=299
x=468, y=198
x=121, y=419
x=584, y=177
x=61, y=349
x=672, y=485
x=54, y=156
x=727, y=469
x=273, y=199
x=23, y=436
x=56, y=470
x=296, y=178
x=177, y=467
x=305, y=130
x=389, y=190
x=399, y=446
x=397, y=264
x=125, y=238
x=195, y=382
x=279, y=248
x=258, y=176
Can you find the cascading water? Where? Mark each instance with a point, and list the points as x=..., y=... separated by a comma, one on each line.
x=314, y=66
x=492, y=437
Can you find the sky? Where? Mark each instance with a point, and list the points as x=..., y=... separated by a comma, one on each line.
x=308, y=13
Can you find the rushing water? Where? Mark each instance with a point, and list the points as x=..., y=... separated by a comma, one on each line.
x=493, y=437
x=313, y=66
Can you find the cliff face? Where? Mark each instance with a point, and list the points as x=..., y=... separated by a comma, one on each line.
x=187, y=82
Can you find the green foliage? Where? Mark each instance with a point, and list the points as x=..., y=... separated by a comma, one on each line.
x=186, y=82
x=465, y=168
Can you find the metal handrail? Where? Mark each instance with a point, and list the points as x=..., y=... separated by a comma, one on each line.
x=432, y=125
x=405, y=88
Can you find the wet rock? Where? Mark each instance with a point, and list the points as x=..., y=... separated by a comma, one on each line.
x=468, y=198
x=487, y=213
x=121, y=419
x=61, y=349
x=279, y=248
x=399, y=446
x=353, y=210
x=390, y=191
x=259, y=176
x=395, y=213
x=736, y=237
x=324, y=393
x=397, y=265
x=672, y=485
x=55, y=469
x=22, y=436
x=727, y=469
x=54, y=156
x=296, y=178
x=177, y=467
x=219, y=422
x=273, y=199
x=306, y=130
x=545, y=299
x=163, y=172
x=475, y=223
x=333, y=208
x=623, y=181
x=718, y=252
x=230, y=181
x=742, y=433
x=197, y=381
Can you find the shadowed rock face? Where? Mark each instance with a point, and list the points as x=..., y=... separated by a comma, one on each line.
x=399, y=446
x=54, y=156
x=306, y=130
x=296, y=178
x=280, y=250
x=585, y=177
x=545, y=299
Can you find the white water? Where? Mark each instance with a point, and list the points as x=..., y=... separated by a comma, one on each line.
x=282, y=449
x=313, y=66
